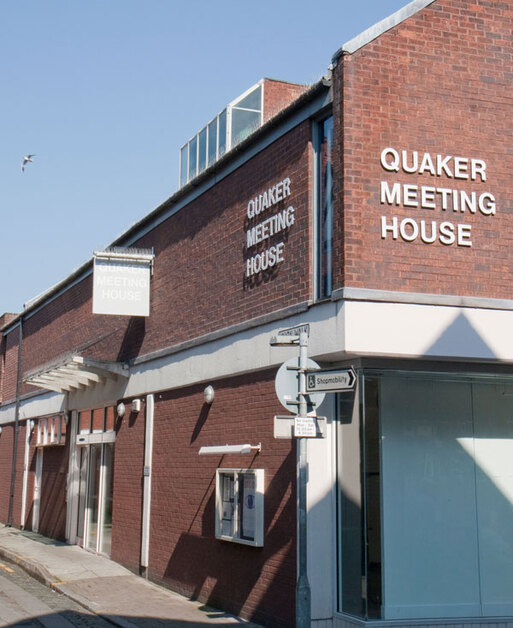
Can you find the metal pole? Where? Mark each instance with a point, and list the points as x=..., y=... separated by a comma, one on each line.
x=16, y=427
x=303, y=596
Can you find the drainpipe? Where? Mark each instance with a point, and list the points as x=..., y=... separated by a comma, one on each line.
x=148, y=456
x=28, y=430
x=16, y=426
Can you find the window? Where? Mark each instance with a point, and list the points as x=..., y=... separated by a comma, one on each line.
x=324, y=206
x=212, y=142
x=425, y=497
x=246, y=115
x=193, y=157
x=202, y=150
x=184, y=164
x=230, y=127
x=240, y=506
x=51, y=431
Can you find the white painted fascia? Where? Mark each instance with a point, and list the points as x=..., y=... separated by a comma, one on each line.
x=339, y=330
x=41, y=405
x=428, y=331
x=382, y=27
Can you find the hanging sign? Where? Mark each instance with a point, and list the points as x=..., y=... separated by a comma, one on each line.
x=121, y=282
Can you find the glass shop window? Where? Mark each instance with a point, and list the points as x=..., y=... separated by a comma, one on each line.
x=425, y=497
x=51, y=431
x=324, y=204
x=240, y=506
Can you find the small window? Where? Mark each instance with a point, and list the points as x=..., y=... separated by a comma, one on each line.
x=184, y=153
x=252, y=101
x=240, y=506
x=202, y=150
x=243, y=124
x=193, y=157
x=212, y=142
x=222, y=134
x=51, y=431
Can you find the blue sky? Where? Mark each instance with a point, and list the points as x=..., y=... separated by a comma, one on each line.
x=105, y=92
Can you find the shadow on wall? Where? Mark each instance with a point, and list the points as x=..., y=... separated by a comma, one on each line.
x=52, y=509
x=206, y=566
x=461, y=339
x=132, y=339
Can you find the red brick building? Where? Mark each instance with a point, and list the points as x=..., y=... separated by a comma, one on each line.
x=376, y=207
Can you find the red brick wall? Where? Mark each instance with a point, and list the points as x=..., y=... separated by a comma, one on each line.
x=278, y=95
x=9, y=376
x=251, y=582
x=6, y=455
x=6, y=445
x=127, y=490
x=199, y=283
x=440, y=82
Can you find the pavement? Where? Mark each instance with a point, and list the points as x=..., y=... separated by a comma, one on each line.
x=105, y=587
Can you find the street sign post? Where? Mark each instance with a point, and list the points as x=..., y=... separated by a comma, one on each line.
x=299, y=336
x=333, y=380
x=301, y=386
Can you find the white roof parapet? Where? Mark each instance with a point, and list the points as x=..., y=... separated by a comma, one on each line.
x=382, y=27
x=75, y=373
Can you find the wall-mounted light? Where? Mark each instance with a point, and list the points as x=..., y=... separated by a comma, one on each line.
x=208, y=394
x=136, y=405
x=0, y=429
x=120, y=409
x=230, y=449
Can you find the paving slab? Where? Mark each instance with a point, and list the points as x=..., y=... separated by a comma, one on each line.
x=105, y=587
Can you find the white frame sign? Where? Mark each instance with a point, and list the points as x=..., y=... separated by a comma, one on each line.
x=121, y=284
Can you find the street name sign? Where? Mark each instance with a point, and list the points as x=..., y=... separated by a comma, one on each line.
x=296, y=330
x=333, y=380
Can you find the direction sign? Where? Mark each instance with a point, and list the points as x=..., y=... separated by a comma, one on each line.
x=330, y=381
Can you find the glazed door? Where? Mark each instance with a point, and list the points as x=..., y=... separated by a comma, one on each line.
x=94, y=522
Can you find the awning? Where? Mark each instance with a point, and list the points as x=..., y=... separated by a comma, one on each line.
x=75, y=373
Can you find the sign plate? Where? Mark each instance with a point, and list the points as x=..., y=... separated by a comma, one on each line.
x=330, y=381
x=305, y=427
x=295, y=331
x=284, y=426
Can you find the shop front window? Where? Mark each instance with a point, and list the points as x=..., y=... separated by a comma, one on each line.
x=426, y=499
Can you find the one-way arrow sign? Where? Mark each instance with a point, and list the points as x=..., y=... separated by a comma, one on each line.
x=330, y=381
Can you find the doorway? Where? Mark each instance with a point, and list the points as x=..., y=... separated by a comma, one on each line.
x=94, y=520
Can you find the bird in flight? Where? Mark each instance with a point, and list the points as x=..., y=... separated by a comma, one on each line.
x=26, y=160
